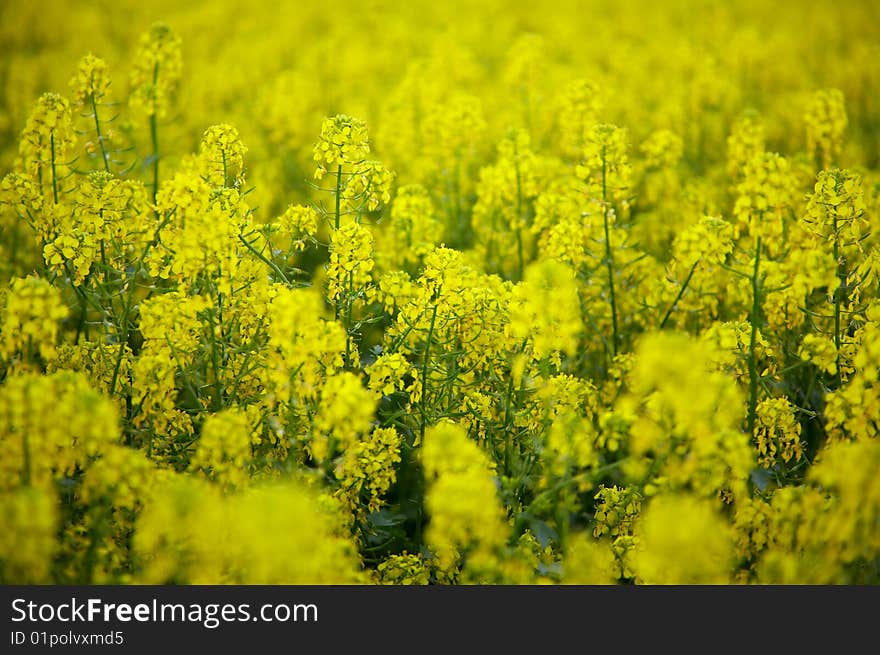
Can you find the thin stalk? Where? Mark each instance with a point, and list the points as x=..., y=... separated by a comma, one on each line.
x=264, y=259
x=54, y=174
x=26, y=457
x=508, y=440
x=338, y=214
x=154, y=137
x=838, y=297
x=519, y=215
x=129, y=301
x=348, y=304
x=104, y=156
x=337, y=221
x=123, y=338
x=79, y=292
x=681, y=291
x=753, y=340
x=217, y=399
x=609, y=258
x=424, y=412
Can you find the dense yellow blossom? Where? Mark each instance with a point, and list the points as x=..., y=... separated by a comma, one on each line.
x=221, y=156
x=382, y=295
x=224, y=448
x=404, y=569
x=465, y=516
x=605, y=168
x=825, y=118
x=763, y=198
x=414, y=229
x=683, y=540
x=387, y=373
x=746, y=141
x=589, y=562
x=778, y=432
x=46, y=142
x=351, y=261
x=28, y=542
x=91, y=80
x=156, y=71
x=51, y=425
x=546, y=310
x=31, y=314
x=344, y=141
x=580, y=105
x=345, y=413
x=368, y=466
x=268, y=535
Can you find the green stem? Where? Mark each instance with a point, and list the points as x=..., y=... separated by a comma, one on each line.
x=129, y=301
x=96, y=536
x=215, y=362
x=838, y=297
x=424, y=411
x=26, y=457
x=681, y=291
x=753, y=340
x=519, y=216
x=508, y=440
x=609, y=258
x=154, y=138
x=338, y=214
x=123, y=337
x=264, y=259
x=336, y=223
x=104, y=156
x=54, y=174
x=348, y=304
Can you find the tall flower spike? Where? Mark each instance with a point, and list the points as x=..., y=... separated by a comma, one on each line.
x=157, y=69
x=91, y=80
x=221, y=156
x=344, y=141
x=825, y=119
x=47, y=138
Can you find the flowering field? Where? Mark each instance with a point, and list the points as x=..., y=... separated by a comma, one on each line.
x=428, y=292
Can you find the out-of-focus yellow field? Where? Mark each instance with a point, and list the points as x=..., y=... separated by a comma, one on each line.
x=411, y=293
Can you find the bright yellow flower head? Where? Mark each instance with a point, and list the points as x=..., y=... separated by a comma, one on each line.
x=157, y=68
x=91, y=81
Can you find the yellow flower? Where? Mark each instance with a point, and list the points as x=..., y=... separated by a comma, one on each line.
x=221, y=156
x=344, y=142
x=682, y=540
x=369, y=465
x=46, y=142
x=51, y=425
x=30, y=317
x=345, y=413
x=351, y=260
x=28, y=539
x=778, y=432
x=546, y=310
x=825, y=118
x=605, y=166
x=461, y=501
x=90, y=83
x=404, y=569
x=223, y=450
x=588, y=562
x=157, y=69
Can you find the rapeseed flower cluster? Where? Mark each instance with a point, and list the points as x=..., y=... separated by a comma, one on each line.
x=294, y=304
